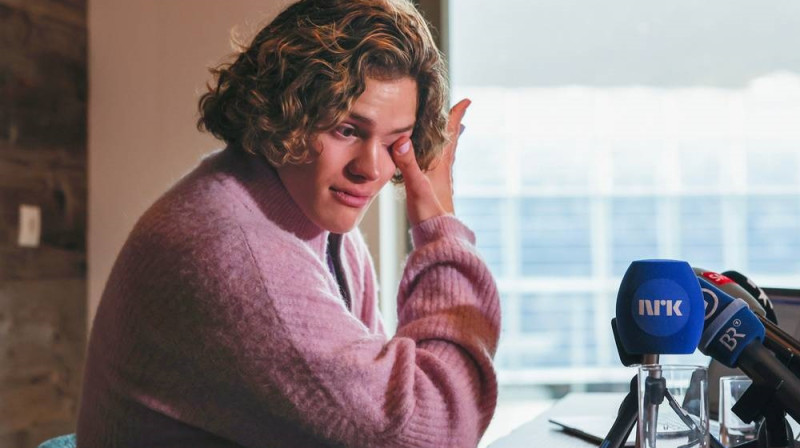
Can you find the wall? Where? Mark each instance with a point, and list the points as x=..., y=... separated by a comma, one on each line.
x=42, y=163
x=148, y=65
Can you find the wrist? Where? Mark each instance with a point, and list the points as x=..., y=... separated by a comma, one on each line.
x=444, y=226
x=417, y=215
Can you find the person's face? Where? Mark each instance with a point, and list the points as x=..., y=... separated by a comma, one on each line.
x=351, y=162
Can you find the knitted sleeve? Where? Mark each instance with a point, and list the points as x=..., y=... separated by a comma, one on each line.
x=246, y=338
x=449, y=306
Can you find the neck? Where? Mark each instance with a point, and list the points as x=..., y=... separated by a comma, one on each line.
x=263, y=184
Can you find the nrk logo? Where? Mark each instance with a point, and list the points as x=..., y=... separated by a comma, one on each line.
x=660, y=307
x=717, y=279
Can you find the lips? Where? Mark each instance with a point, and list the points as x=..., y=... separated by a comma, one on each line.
x=351, y=198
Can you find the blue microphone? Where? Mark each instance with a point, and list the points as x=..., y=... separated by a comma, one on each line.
x=733, y=335
x=785, y=347
x=659, y=311
x=729, y=325
x=659, y=308
x=730, y=287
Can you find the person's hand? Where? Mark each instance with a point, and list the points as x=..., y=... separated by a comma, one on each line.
x=430, y=194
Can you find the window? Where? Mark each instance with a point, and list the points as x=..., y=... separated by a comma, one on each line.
x=604, y=132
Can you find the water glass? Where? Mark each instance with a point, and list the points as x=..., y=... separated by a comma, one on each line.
x=673, y=406
x=732, y=430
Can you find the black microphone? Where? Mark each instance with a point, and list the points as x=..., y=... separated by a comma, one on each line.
x=733, y=335
x=755, y=291
x=785, y=347
x=728, y=285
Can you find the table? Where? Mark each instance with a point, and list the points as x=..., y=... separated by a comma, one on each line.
x=541, y=433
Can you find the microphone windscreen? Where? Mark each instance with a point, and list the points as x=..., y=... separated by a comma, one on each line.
x=755, y=291
x=730, y=326
x=714, y=300
x=730, y=287
x=659, y=308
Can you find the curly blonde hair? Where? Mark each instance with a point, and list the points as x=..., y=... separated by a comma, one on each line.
x=302, y=73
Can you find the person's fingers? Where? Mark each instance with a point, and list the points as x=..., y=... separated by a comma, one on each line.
x=421, y=200
x=454, y=126
x=404, y=159
x=456, y=115
x=454, y=130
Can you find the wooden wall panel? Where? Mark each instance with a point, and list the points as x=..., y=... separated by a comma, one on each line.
x=43, y=97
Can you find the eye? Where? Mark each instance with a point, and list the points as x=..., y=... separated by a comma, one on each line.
x=346, y=131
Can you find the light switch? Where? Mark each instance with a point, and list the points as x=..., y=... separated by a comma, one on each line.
x=30, y=225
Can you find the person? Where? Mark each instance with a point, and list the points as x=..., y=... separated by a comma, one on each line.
x=242, y=309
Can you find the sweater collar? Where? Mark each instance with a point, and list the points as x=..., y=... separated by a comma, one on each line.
x=262, y=183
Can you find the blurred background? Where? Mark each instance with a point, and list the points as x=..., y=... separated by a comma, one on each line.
x=604, y=132
x=600, y=133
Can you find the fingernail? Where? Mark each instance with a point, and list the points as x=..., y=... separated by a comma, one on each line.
x=461, y=128
x=404, y=147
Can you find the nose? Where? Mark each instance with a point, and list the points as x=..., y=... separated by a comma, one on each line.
x=366, y=163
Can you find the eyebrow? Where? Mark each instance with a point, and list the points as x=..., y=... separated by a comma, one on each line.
x=370, y=122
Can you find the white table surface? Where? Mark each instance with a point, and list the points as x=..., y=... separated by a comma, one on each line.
x=539, y=432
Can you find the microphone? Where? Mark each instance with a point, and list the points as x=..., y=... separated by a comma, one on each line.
x=659, y=311
x=733, y=335
x=785, y=347
x=758, y=401
x=726, y=284
x=729, y=325
x=755, y=291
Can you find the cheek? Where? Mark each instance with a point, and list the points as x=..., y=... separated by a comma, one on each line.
x=388, y=167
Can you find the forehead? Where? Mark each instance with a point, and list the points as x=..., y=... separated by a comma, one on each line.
x=387, y=102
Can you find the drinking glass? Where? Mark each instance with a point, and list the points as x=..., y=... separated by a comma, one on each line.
x=673, y=406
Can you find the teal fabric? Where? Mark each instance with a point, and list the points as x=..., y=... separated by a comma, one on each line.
x=67, y=441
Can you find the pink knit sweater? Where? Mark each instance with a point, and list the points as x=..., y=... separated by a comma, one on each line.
x=221, y=325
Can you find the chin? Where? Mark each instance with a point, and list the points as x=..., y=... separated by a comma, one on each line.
x=341, y=225
x=340, y=228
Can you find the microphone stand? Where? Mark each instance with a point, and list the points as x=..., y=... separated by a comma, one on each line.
x=770, y=398
x=629, y=408
x=626, y=418
x=758, y=404
x=655, y=392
